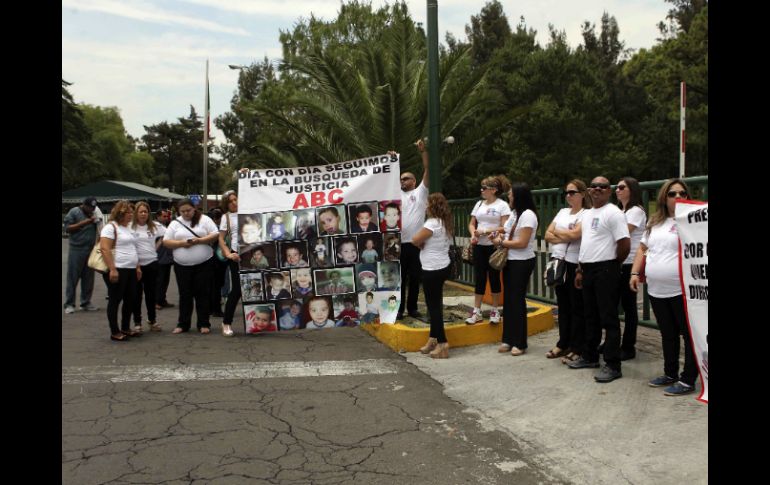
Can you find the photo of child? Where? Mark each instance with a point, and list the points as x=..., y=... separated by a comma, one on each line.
x=260, y=318
x=331, y=220
x=389, y=308
x=290, y=314
x=278, y=284
x=318, y=313
x=334, y=281
x=392, y=246
x=345, y=311
x=366, y=277
x=321, y=253
x=345, y=250
x=250, y=229
x=369, y=247
x=363, y=217
x=251, y=287
x=390, y=215
x=367, y=304
x=301, y=282
x=276, y=226
x=304, y=224
x=293, y=254
x=258, y=256
x=389, y=275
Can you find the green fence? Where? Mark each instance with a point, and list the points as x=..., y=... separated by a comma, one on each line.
x=549, y=202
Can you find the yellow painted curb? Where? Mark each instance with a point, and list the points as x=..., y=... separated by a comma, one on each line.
x=403, y=338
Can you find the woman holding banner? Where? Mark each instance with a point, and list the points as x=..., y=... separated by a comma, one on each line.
x=229, y=225
x=658, y=256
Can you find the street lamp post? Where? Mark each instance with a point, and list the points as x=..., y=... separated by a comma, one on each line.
x=434, y=120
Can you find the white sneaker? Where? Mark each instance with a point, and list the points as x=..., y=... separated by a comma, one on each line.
x=227, y=331
x=69, y=309
x=494, y=316
x=474, y=318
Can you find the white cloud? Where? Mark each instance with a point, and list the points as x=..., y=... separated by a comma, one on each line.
x=149, y=13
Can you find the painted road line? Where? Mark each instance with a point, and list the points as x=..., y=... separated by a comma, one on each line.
x=232, y=370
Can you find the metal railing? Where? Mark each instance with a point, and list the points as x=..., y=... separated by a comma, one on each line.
x=549, y=202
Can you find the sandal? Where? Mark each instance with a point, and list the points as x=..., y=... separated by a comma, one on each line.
x=205, y=330
x=178, y=330
x=131, y=333
x=570, y=357
x=555, y=353
x=155, y=327
x=120, y=337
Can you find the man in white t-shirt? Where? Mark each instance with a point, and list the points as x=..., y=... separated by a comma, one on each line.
x=604, y=244
x=414, y=201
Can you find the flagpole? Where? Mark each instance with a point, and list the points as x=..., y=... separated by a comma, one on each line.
x=206, y=146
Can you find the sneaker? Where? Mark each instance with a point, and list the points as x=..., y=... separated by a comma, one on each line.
x=661, y=381
x=494, y=317
x=581, y=363
x=69, y=309
x=89, y=308
x=607, y=374
x=678, y=389
x=138, y=328
x=474, y=318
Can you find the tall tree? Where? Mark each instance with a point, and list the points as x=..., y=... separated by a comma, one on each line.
x=78, y=161
x=487, y=32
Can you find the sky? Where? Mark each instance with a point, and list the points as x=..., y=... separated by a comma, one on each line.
x=148, y=57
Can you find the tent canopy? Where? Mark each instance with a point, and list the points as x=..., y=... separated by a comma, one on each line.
x=115, y=190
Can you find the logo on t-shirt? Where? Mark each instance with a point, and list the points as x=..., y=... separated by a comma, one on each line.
x=673, y=229
x=492, y=212
x=595, y=223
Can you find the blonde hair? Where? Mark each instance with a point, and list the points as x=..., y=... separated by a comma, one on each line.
x=150, y=224
x=120, y=209
x=583, y=189
x=438, y=207
x=661, y=213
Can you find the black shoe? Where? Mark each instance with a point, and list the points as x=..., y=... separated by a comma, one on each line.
x=607, y=374
x=627, y=354
x=399, y=316
x=217, y=314
x=581, y=363
x=415, y=314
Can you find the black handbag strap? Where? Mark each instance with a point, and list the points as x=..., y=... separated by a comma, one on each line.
x=191, y=231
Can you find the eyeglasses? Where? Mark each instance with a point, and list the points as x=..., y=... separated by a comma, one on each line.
x=485, y=187
x=600, y=186
x=673, y=193
x=620, y=187
x=572, y=192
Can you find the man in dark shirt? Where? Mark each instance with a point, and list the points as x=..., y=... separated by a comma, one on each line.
x=80, y=223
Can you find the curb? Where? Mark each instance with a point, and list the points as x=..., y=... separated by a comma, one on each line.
x=401, y=338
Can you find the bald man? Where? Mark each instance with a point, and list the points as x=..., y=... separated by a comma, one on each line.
x=414, y=201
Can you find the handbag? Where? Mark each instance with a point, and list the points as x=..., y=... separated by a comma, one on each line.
x=499, y=258
x=220, y=255
x=467, y=250
x=555, y=273
x=96, y=260
x=456, y=257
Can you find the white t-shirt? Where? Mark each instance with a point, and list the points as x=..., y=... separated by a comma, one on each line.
x=564, y=220
x=662, y=266
x=636, y=217
x=527, y=219
x=312, y=325
x=194, y=254
x=601, y=229
x=233, y=229
x=125, y=247
x=435, y=254
x=145, y=242
x=488, y=217
x=413, y=205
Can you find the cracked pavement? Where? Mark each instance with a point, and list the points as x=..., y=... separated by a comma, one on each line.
x=331, y=429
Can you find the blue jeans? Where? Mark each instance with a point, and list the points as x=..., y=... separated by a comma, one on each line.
x=77, y=269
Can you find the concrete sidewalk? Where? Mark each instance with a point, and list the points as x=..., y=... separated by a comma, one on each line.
x=590, y=433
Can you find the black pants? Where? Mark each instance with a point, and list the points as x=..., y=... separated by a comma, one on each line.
x=669, y=312
x=215, y=300
x=601, y=298
x=235, y=294
x=164, y=276
x=433, y=286
x=194, y=283
x=516, y=276
x=122, y=290
x=147, y=286
x=630, y=313
x=411, y=270
x=481, y=269
x=572, y=324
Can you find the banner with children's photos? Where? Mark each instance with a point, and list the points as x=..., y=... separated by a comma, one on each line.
x=320, y=246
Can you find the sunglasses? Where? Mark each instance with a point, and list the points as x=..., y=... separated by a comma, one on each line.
x=404, y=179
x=620, y=187
x=600, y=186
x=673, y=193
x=572, y=192
x=486, y=187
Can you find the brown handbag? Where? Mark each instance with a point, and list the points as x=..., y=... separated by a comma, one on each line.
x=499, y=258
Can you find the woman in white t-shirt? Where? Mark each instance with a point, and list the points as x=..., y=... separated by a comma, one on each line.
x=147, y=234
x=629, y=194
x=563, y=234
x=229, y=225
x=487, y=218
x=518, y=269
x=660, y=244
x=124, y=269
x=433, y=240
x=190, y=236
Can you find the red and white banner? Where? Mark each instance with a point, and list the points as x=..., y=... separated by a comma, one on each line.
x=693, y=229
